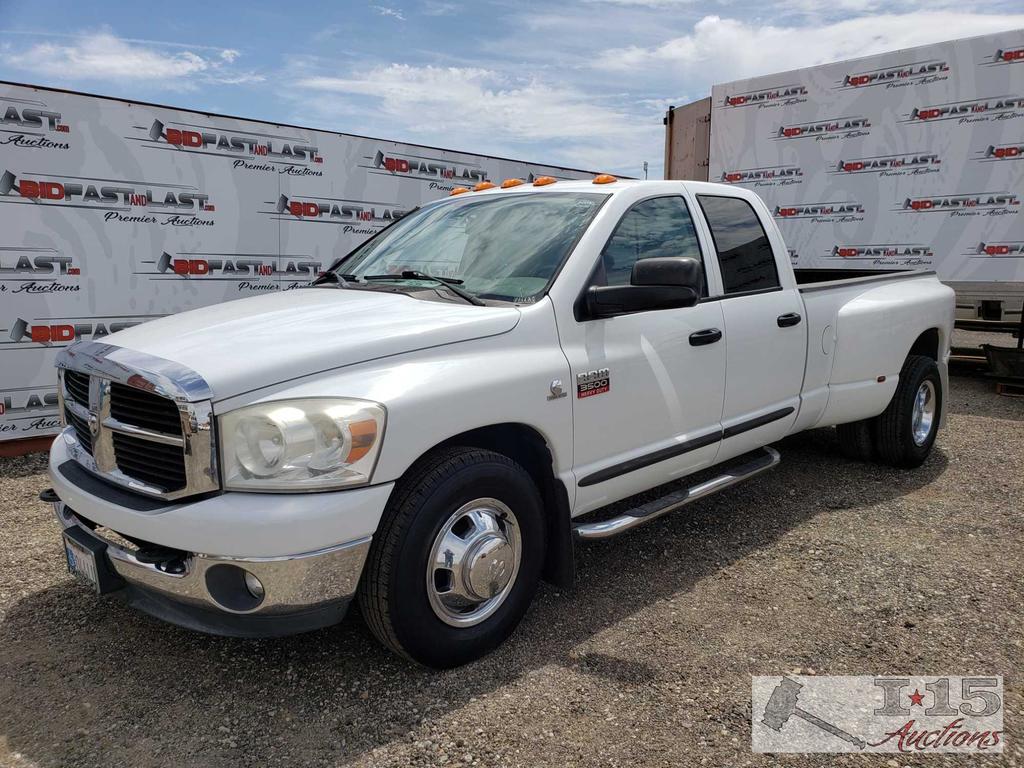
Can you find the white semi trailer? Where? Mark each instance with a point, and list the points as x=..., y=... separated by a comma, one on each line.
x=907, y=159
x=114, y=213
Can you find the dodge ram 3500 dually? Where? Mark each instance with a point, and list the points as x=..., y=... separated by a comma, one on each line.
x=429, y=426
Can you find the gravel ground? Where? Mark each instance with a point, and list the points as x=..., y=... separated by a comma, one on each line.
x=821, y=566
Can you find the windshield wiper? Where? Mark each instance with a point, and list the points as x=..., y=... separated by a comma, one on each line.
x=336, y=278
x=451, y=283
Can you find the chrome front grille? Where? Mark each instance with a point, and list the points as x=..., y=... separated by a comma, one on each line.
x=130, y=422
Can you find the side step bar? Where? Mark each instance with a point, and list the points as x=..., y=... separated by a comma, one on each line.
x=605, y=529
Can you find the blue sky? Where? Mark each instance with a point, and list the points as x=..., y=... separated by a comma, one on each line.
x=582, y=83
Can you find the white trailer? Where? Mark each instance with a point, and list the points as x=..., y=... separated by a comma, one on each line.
x=113, y=213
x=913, y=158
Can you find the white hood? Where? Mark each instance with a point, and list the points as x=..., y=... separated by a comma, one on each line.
x=239, y=346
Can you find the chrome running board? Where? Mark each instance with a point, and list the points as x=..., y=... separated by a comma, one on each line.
x=604, y=529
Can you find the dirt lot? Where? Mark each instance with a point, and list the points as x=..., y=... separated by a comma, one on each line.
x=819, y=565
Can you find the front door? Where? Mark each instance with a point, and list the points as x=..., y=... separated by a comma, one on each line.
x=647, y=387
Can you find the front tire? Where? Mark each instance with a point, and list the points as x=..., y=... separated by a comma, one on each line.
x=456, y=559
x=906, y=430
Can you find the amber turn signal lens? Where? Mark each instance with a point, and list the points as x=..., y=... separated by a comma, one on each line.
x=543, y=181
x=511, y=183
x=482, y=186
x=604, y=178
x=459, y=190
x=363, y=434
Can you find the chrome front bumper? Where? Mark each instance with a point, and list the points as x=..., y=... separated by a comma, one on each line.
x=208, y=593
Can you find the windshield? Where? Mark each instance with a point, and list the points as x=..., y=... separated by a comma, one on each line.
x=506, y=247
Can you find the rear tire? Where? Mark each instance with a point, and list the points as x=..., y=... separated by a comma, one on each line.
x=905, y=432
x=456, y=559
x=856, y=441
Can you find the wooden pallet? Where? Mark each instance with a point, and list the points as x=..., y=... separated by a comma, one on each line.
x=1009, y=389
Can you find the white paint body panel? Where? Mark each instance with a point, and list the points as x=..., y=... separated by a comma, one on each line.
x=441, y=369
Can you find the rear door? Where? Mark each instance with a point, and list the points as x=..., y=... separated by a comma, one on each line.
x=765, y=331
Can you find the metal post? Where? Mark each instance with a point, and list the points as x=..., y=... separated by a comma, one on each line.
x=1020, y=329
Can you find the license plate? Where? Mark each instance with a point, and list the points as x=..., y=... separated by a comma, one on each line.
x=81, y=563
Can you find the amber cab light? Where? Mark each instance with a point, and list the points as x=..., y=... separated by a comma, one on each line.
x=507, y=183
x=604, y=178
x=543, y=181
x=459, y=190
x=482, y=186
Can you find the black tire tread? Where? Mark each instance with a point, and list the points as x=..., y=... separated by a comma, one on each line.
x=413, y=489
x=890, y=433
x=855, y=440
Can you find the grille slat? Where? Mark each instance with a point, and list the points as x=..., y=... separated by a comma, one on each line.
x=144, y=409
x=77, y=385
x=137, y=458
x=140, y=417
x=81, y=427
x=150, y=450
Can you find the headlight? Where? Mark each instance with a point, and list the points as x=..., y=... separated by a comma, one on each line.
x=300, y=445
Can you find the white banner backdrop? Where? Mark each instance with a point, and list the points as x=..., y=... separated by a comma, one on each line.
x=913, y=158
x=113, y=213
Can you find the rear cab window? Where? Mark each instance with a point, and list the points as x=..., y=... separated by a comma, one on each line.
x=745, y=254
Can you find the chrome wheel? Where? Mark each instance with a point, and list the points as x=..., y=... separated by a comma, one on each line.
x=924, y=412
x=474, y=562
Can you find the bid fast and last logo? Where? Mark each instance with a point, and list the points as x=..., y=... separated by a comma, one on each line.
x=28, y=410
x=899, y=76
x=120, y=201
x=249, y=272
x=28, y=124
x=884, y=254
x=248, y=150
x=439, y=174
x=57, y=332
x=764, y=176
x=980, y=110
x=958, y=205
x=827, y=129
x=907, y=164
x=37, y=271
x=353, y=216
x=772, y=96
x=842, y=211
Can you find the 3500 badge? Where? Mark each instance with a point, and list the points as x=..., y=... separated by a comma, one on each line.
x=592, y=383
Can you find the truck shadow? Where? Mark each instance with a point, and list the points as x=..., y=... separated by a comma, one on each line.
x=84, y=679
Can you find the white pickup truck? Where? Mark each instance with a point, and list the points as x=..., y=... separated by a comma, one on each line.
x=429, y=426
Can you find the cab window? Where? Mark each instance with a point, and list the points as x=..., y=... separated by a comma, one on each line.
x=744, y=253
x=661, y=226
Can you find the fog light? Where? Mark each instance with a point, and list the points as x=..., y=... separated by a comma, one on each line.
x=254, y=585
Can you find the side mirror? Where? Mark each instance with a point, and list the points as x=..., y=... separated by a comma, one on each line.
x=659, y=283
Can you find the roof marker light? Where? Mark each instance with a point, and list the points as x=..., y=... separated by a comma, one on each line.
x=508, y=183
x=482, y=186
x=459, y=190
x=604, y=178
x=542, y=181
